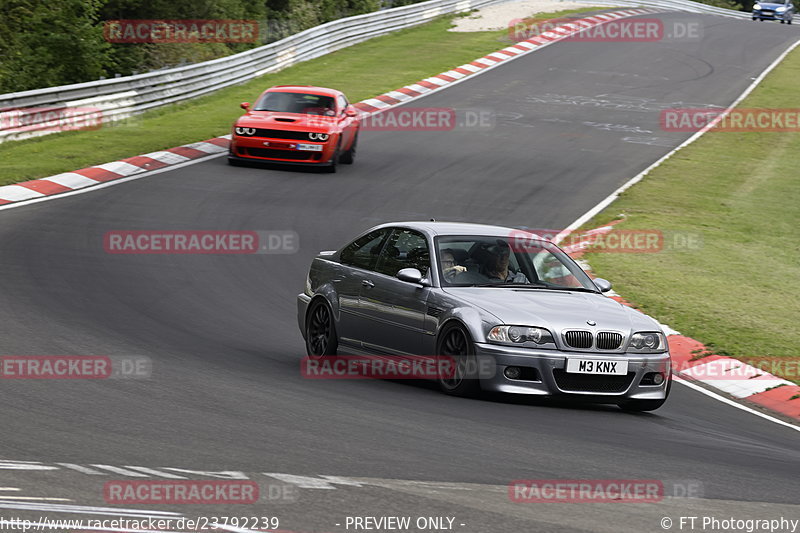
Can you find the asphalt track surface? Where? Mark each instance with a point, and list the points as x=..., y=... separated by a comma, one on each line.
x=574, y=121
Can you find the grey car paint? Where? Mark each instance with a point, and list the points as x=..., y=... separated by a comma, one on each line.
x=380, y=314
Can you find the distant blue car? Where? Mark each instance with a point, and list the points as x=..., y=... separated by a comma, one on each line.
x=774, y=11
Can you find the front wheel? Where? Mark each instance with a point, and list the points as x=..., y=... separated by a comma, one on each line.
x=350, y=155
x=321, y=339
x=455, y=344
x=331, y=168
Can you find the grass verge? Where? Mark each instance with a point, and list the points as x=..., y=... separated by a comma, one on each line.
x=361, y=71
x=738, y=195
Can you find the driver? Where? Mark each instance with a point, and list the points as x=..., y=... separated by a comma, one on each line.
x=496, y=267
x=449, y=267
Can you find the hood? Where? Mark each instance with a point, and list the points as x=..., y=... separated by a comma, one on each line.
x=555, y=310
x=286, y=121
x=769, y=5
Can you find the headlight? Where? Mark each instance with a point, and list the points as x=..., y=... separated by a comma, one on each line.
x=318, y=136
x=647, y=342
x=780, y=10
x=247, y=132
x=520, y=335
x=757, y=7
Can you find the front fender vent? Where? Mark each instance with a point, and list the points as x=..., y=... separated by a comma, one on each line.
x=435, y=312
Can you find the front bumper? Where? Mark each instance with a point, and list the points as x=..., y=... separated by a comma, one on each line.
x=303, y=300
x=768, y=16
x=550, y=377
x=258, y=149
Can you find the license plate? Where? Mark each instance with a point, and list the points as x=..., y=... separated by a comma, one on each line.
x=597, y=366
x=310, y=147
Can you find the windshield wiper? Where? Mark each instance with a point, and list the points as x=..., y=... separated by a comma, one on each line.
x=534, y=286
x=513, y=285
x=576, y=289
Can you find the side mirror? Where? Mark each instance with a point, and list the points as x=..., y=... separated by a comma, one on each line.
x=351, y=112
x=603, y=285
x=410, y=275
x=245, y=105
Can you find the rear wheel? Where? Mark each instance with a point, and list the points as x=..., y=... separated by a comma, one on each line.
x=454, y=343
x=321, y=337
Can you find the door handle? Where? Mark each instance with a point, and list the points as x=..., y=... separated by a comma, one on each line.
x=367, y=283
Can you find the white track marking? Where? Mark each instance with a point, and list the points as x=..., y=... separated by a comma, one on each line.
x=374, y=102
x=82, y=509
x=453, y=74
x=121, y=471
x=71, y=180
x=168, y=157
x=7, y=464
x=17, y=193
x=437, y=81
x=737, y=405
x=82, y=469
x=421, y=89
x=398, y=95
x=583, y=219
x=120, y=167
x=484, y=61
x=209, y=148
x=224, y=474
x=155, y=472
x=45, y=525
x=32, y=498
x=467, y=66
x=637, y=178
x=322, y=482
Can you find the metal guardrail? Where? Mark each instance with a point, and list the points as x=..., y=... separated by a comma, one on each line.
x=121, y=98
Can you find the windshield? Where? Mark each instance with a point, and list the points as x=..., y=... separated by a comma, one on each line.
x=466, y=261
x=307, y=104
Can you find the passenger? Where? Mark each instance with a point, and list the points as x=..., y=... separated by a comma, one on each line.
x=497, y=268
x=449, y=267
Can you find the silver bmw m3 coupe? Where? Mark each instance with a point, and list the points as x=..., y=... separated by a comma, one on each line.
x=514, y=311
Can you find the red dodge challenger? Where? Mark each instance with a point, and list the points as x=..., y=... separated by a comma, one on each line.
x=297, y=125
